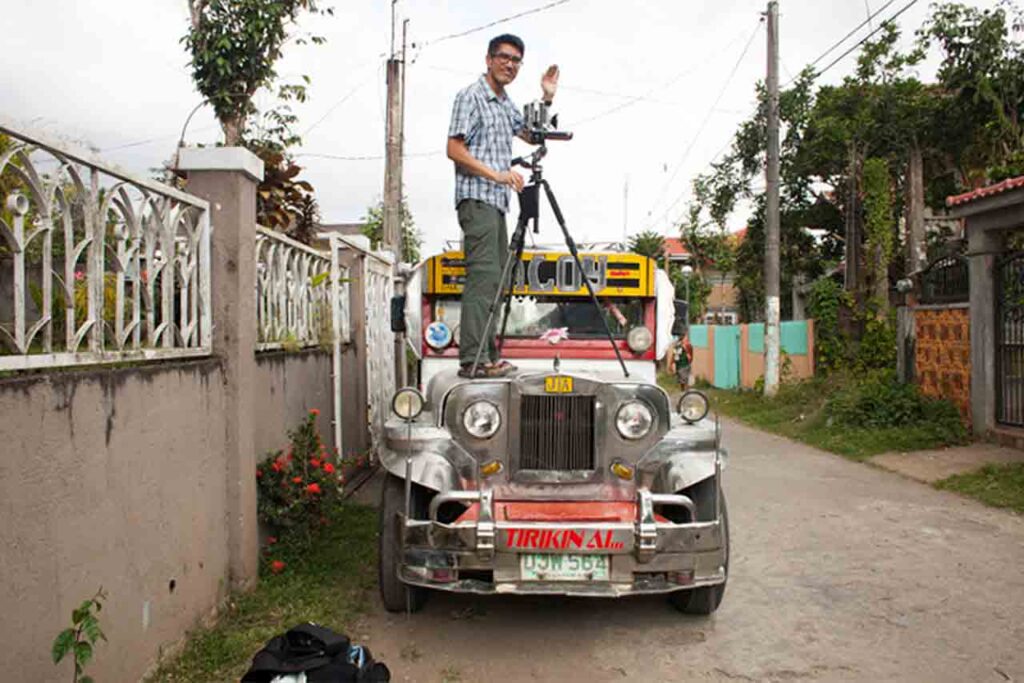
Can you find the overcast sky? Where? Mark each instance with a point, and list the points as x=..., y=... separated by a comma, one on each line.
x=653, y=90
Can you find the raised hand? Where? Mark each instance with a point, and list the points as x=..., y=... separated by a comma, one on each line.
x=549, y=82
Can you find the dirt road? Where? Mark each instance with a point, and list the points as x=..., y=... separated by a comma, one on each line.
x=840, y=571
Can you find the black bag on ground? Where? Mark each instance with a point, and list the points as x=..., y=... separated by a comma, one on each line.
x=323, y=655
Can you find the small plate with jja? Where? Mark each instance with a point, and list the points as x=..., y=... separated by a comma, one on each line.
x=558, y=384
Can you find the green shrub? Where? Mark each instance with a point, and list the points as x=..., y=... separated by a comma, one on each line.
x=831, y=345
x=294, y=489
x=879, y=401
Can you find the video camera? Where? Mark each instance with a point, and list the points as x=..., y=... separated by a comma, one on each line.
x=541, y=125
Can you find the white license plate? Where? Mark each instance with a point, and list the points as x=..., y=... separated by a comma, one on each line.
x=541, y=567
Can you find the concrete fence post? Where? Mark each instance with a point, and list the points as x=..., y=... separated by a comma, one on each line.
x=227, y=177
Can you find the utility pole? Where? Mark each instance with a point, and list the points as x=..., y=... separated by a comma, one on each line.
x=771, y=252
x=391, y=237
x=391, y=229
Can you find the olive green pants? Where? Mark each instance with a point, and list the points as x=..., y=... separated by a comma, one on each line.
x=485, y=240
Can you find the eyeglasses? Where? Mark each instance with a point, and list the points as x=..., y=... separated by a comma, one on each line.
x=506, y=58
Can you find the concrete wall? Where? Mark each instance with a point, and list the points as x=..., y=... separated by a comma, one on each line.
x=745, y=354
x=290, y=385
x=110, y=478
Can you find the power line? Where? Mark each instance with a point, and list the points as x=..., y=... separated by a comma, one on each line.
x=704, y=123
x=865, y=38
x=633, y=100
x=822, y=71
x=344, y=98
x=373, y=157
x=460, y=34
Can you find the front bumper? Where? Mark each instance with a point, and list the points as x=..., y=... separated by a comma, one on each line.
x=647, y=554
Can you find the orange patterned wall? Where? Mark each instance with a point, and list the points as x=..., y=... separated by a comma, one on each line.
x=943, y=357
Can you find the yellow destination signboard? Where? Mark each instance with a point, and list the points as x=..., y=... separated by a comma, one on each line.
x=553, y=273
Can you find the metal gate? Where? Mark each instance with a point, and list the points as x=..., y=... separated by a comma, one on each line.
x=369, y=274
x=1010, y=340
x=380, y=343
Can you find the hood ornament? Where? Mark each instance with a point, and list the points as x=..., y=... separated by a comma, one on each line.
x=558, y=363
x=555, y=335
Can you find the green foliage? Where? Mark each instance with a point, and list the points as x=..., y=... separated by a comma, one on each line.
x=295, y=488
x=878, y=400
x=80, y=639
x=412, y=240
x=877, y=347
x=234, y=46
x=648, y=243
x=831, y=344
x=799, y=411
x=997, y=485
x=982, y=83
x=327, y=583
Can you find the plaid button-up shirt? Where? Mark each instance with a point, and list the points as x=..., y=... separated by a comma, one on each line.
x=487, y=124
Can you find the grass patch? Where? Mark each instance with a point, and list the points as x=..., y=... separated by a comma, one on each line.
x=1000, y=486
x=327, y=584
x=820, y=411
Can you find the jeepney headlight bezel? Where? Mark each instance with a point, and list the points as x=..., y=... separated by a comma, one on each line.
x=635, y=419
x=693, y=416
x=407, y=403
x=481, y=408
x=639, y=339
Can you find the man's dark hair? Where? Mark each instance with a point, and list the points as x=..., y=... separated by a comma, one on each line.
x=506, y=39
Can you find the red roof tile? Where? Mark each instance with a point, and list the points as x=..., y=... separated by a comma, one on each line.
x=998, y=188
x=674, y=247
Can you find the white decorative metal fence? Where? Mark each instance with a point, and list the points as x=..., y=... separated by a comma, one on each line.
x=293, y=293
x=96, y=265
x=378, y=271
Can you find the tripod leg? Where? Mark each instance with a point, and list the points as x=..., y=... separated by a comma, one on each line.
x=516, y=261
x=518, y=237
x=586, y=281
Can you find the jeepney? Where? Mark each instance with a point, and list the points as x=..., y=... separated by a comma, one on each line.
x=565, y=477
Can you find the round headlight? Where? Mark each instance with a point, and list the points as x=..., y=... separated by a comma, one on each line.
x=437, y=335
x=693, y=406
x=634, y=420
x=407, y=403
x=481, y=419
x=639, y=339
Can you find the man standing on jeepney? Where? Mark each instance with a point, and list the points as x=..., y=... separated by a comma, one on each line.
x=484, y=120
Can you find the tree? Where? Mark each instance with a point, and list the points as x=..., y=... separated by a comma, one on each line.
x=234, y=46
x=982, y=82
x=879, y=230
x=648, y=243
x=711, y=249
x=373, y=227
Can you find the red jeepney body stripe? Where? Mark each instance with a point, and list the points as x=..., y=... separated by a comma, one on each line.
x=538, y=348
x=558, y=511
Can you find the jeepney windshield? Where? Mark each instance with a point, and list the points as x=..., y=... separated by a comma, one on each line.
x=530, y=317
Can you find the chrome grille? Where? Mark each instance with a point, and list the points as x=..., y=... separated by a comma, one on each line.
x=556, y=433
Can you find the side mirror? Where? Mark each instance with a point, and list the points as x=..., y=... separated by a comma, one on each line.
x=398, y=313
x=682, y=320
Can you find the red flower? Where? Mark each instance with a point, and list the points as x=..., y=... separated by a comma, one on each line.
x=313, y=488
x=259, y=474
x=296, y=480
x=276, y=466
x=290, y=456
x=271, y=540
x=328, y=468
x=314, y=462
x=277, y=566
x=314, y=412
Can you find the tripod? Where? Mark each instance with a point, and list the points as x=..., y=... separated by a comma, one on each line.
x=529, y=209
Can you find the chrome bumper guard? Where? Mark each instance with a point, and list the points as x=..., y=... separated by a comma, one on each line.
x=644, y=538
